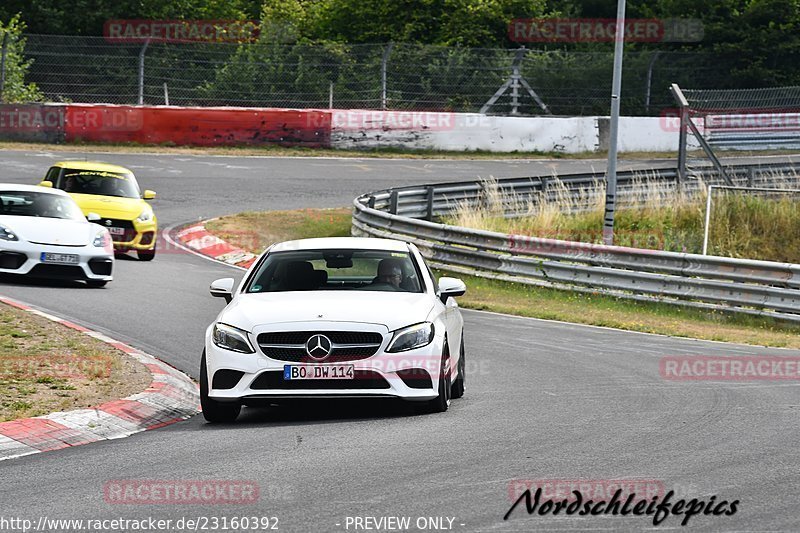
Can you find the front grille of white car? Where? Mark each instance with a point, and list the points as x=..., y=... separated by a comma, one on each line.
x=345, y=345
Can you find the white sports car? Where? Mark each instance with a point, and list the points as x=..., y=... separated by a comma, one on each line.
x=44, y=234
x=334, y=317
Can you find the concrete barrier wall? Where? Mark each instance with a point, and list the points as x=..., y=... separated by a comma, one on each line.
x=200, y=126
x=465, y=131
x=204, y=126
x=461, y=131
x=32, y=123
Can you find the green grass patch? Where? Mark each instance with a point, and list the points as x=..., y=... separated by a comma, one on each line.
x=46, y=367
x=525, y=300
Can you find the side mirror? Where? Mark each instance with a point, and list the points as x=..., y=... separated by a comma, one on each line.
x=48, y=184
x=450, y=287
x=93, y=217
x=222, y=288
x=148, y=194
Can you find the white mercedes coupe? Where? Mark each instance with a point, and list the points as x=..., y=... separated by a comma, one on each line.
x=334, y=317
x=44, y=234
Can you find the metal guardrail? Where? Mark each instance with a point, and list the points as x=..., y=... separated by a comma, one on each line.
x=740, y=285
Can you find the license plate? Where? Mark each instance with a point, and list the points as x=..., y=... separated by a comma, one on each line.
x=116, y=231
x=291, y=372
x=64, y=259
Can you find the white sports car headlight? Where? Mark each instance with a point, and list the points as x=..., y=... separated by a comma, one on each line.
x=101, y=238
x=231, y=338
x=7, y=235
x=145, y=216
x=411, y=337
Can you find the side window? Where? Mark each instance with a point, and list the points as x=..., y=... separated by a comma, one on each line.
x=52, y=176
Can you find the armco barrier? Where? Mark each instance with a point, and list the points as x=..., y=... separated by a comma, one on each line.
x=199, y=126
x=740, y=285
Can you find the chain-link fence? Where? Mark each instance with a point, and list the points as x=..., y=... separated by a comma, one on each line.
x=397, y=77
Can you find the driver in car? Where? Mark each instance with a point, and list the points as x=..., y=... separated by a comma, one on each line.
x=389, y=273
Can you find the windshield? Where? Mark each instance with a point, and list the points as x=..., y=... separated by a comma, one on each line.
x=38, y=204
x=102, y=183
x=313, y=270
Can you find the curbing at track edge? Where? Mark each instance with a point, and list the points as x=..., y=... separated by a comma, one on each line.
x=171, y=397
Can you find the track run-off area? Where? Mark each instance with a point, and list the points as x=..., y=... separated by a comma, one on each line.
x=545, y=400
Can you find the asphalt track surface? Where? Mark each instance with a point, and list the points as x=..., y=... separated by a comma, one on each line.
x=545, y=400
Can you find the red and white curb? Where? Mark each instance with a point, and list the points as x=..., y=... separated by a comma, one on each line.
x=171, y=397
x=198, y=239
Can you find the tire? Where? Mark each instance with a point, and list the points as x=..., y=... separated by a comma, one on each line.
x=146, y=255
x=213, y=411
x=96, y=283
x=459, y=385
x=441, y=403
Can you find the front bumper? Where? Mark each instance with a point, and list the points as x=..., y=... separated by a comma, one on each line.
x=411, y=375
x=24, y=258
x=137, y=236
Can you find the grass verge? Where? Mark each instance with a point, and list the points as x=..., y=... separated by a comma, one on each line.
x=742, y=225
x=46, y=367
x=389, y=153
x=255, y=231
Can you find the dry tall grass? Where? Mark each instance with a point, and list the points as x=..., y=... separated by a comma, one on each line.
x=650, y=215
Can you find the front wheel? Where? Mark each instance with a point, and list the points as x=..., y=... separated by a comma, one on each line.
x=441, y=403
x=459, y=385
x=146, y=255
x=214, y=411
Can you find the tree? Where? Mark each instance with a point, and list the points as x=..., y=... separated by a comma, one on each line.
x=16, y=66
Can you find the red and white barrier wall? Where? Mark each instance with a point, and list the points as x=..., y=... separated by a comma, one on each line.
x=232, y=126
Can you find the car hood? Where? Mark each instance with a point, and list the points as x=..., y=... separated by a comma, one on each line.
x=391, y=309
x=109, y=206
x=58, y=231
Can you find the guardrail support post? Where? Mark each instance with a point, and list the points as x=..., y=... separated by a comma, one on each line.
x=429, y=203
x=371, y=202
x=393, y=197
x=751, y=177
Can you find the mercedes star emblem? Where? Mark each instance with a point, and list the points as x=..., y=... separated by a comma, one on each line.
x=318, y=347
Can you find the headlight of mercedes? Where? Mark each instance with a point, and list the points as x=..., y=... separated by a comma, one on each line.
x=145, y=216
x=231, y=338
x=415, y=336
x=7, y=235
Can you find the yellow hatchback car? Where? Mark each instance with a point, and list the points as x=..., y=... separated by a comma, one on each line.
x=110, y=191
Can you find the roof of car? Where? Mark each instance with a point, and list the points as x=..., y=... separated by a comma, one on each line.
x=93, y=165
x=357, y=243
x=30, y=188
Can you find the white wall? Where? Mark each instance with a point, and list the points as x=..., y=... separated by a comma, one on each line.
x=472, y=131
